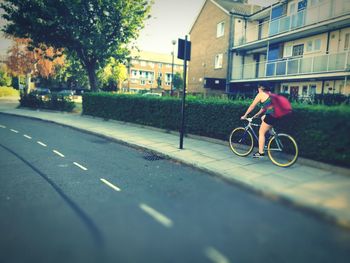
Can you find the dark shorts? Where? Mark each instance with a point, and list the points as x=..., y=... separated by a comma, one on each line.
x=270, y=120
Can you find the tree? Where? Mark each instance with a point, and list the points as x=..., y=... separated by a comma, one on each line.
x=113, y=74
x=24, y=60
x=93, y=30
x=5, y=79
x=178, y=82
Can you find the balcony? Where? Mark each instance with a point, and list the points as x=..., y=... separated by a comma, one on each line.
x=324, y=11
x=327, y=63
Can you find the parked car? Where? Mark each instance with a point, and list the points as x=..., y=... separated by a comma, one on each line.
x=66, y=94
x=152, y=94
x=41, y=93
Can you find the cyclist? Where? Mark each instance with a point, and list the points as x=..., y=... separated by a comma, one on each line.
x=267, y=120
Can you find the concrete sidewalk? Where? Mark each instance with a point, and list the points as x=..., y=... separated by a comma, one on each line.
x=324, y=190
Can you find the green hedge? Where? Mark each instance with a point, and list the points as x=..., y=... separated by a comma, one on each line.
x=321, y=131
x=52, y=102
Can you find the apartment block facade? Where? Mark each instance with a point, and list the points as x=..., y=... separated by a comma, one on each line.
x=210, y=37
x=300, y=47
x=152, y=72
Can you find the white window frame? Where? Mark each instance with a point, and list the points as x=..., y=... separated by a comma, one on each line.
x=218, y=61
x=288, y=51
x=347, y=41
x=220, y=29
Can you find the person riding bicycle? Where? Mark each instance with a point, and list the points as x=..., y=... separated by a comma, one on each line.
x=267, y=120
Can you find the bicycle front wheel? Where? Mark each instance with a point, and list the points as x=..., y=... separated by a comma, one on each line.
x=241, y=141
x=282, y=150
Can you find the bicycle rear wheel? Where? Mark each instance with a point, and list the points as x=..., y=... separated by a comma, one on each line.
x=282, y=150
x=241, y=141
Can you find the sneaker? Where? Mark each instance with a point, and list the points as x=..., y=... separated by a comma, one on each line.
x=258, y=155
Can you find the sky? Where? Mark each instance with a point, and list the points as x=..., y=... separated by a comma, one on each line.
x=171, y=20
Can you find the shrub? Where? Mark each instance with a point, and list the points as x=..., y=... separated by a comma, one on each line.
x=53, y=102
x=321, y=131
x=8, y=91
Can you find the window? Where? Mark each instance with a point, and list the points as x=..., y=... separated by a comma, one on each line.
x=220, y=29
x=309, y=46
x=160, y=65
x=317, y=44
x=218, y=61
x=304, y=91
x=142, y=82
x=347, y=41
x=314, y=45
x=168, y=77
x=285, y=89
x=298, y=50
x=287, y=51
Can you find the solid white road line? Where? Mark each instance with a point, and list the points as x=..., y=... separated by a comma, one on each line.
x=215, y=256
x=2, y=126
x=110, y=185
x=27, y=136
x=15, y=131
x=165, y=221
x=58, y=153
x=80, y=166
x=41, y=143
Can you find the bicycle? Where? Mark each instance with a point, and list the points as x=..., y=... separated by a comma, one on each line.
x=282, y=149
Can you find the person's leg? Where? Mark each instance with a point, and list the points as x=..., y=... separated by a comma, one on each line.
x=264, y=127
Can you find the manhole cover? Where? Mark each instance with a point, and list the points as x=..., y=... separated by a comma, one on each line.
x=152, y=157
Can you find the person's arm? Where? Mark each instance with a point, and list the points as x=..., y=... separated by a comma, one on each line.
x=262, y=110
x=252, y=106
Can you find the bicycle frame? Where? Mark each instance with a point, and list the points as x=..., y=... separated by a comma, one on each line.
x=250, y=126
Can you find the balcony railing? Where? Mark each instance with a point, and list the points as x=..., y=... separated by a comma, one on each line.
x=332, y=62
x=313, y=14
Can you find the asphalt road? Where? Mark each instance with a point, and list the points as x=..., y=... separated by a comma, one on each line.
x=68, y=196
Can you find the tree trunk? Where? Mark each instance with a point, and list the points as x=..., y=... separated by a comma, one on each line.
x=91, y=70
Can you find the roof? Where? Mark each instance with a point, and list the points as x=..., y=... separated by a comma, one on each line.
x=237, y=7
x=155, y=57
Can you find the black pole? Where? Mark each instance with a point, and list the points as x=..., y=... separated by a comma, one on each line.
x=183, y=98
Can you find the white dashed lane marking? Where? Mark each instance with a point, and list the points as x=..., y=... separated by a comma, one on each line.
x=41, y=143
x=15, y=131
x=58, y=153
x=110, y=185
x=27, y=136
x=2, y=126
x=215, y=256
x=80, y=166
x=160, y=218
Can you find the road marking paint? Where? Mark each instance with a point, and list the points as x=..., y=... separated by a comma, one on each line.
x=15, y=131
x=215, y=256
x=27, y=136
x=58, y=153
x=110, y=185
x=80, y=166
x=2, y=126
x=156, y=215
x=41, y=143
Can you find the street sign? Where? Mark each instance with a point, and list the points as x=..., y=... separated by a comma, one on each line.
x=184, y=46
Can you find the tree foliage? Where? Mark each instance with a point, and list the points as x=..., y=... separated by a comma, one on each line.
x=112, y=75
x=5, y=79
x=178, y=81
x=94, y=30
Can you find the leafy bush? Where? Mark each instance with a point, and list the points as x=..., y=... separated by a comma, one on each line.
x=8, y=91
x=321, y=131
x=53, y=102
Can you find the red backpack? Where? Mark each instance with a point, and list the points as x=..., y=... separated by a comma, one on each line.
x=281, y=105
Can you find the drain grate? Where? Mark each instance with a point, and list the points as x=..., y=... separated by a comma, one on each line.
x=152, y=157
